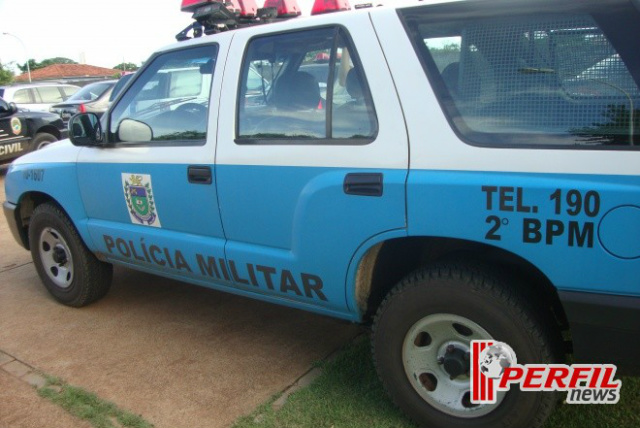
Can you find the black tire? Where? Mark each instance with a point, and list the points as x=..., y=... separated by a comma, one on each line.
x=458, y=291
x=43, y=139
x=69, y=271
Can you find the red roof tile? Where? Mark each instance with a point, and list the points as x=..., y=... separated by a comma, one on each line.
x=61, y=71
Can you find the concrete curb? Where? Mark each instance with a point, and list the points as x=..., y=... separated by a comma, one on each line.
x=308, y=378
x=21, y=370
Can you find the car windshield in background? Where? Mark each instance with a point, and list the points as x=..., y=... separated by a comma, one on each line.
x=91, y=92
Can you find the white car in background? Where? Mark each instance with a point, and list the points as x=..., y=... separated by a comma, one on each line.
x=37, y=96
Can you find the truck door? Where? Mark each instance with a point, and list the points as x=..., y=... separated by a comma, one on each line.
x=13, y=133
x=311, y=162
x=149, y=192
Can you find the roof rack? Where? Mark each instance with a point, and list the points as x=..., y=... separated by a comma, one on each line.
x=213, y=16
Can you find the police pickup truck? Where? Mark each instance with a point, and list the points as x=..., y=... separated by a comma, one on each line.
x=21, y=132
x=448, y=171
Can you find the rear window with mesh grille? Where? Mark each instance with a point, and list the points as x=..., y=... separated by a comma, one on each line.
x=535, y=79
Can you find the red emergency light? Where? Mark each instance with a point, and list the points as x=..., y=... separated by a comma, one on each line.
x=248, y=8
x=191, y=5
x=286, y=8
x=326, y=6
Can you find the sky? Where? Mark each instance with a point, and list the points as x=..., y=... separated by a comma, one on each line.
x=103, y=33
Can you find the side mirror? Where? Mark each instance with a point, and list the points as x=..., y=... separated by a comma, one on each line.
x=131, y=130
x=85, y=130
x=7, y=109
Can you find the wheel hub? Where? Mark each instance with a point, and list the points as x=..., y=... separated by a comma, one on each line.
x=56, y=257
x=456, y=361
x=436, y=359
x=59, y=255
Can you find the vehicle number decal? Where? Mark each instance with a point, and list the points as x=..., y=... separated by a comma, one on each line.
x=33, y=174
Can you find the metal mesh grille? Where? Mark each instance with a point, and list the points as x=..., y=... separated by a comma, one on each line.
x=542, y=75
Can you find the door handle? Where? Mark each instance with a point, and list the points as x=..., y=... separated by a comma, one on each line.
x=363, y=184
x=199, y=174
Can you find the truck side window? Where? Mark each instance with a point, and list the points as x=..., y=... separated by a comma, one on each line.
x=50, y=94
x=533, y=80
x=22, y=96
x=169, y=102
x=69, y=90
x=304, y=87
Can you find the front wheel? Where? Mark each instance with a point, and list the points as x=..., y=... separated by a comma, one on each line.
x=422, y=339
x=43, y=139
x=69, y=271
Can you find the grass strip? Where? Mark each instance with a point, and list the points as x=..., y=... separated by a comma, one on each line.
x=348, y=394
x=88, y=406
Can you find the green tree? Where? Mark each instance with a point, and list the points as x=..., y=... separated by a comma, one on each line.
x=621, y=127
x=34, y=65
x=126, y=66
x=449, y=47
x=6, y=76
x=56, y=60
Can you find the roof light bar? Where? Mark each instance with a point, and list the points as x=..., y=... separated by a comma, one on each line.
x=214, y=16
x=285, y=8
x=192, y=5
x=248, y=8
x=326, y=6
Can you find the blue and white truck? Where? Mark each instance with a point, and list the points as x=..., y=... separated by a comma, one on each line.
x=446, y=171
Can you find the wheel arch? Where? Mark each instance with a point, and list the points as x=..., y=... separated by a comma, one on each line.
x=386, y=263
x=49, y=129
x=27, y=203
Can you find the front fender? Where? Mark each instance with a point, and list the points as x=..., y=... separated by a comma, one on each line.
x=30, y=180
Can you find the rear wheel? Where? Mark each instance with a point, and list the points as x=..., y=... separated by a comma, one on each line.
x=69, y=271
x=422, y=338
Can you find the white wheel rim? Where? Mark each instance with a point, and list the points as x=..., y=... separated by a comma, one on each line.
x=56, y=257
x=423, y=350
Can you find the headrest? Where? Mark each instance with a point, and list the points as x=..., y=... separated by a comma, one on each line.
x=299, y=91
x=353, y=84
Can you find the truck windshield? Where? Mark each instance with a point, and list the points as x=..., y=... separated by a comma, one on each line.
x=91, y=92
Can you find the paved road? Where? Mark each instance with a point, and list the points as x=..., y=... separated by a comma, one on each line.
x=179, y=355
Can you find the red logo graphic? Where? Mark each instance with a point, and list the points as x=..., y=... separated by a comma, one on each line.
x=494, y=368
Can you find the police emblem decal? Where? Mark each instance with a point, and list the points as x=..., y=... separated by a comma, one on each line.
x=138, y=194
x=16, y=126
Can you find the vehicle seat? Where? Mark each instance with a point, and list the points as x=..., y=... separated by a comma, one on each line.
x=300, y=91
x=451, y=77
x=354, y=118
x=354, y=85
